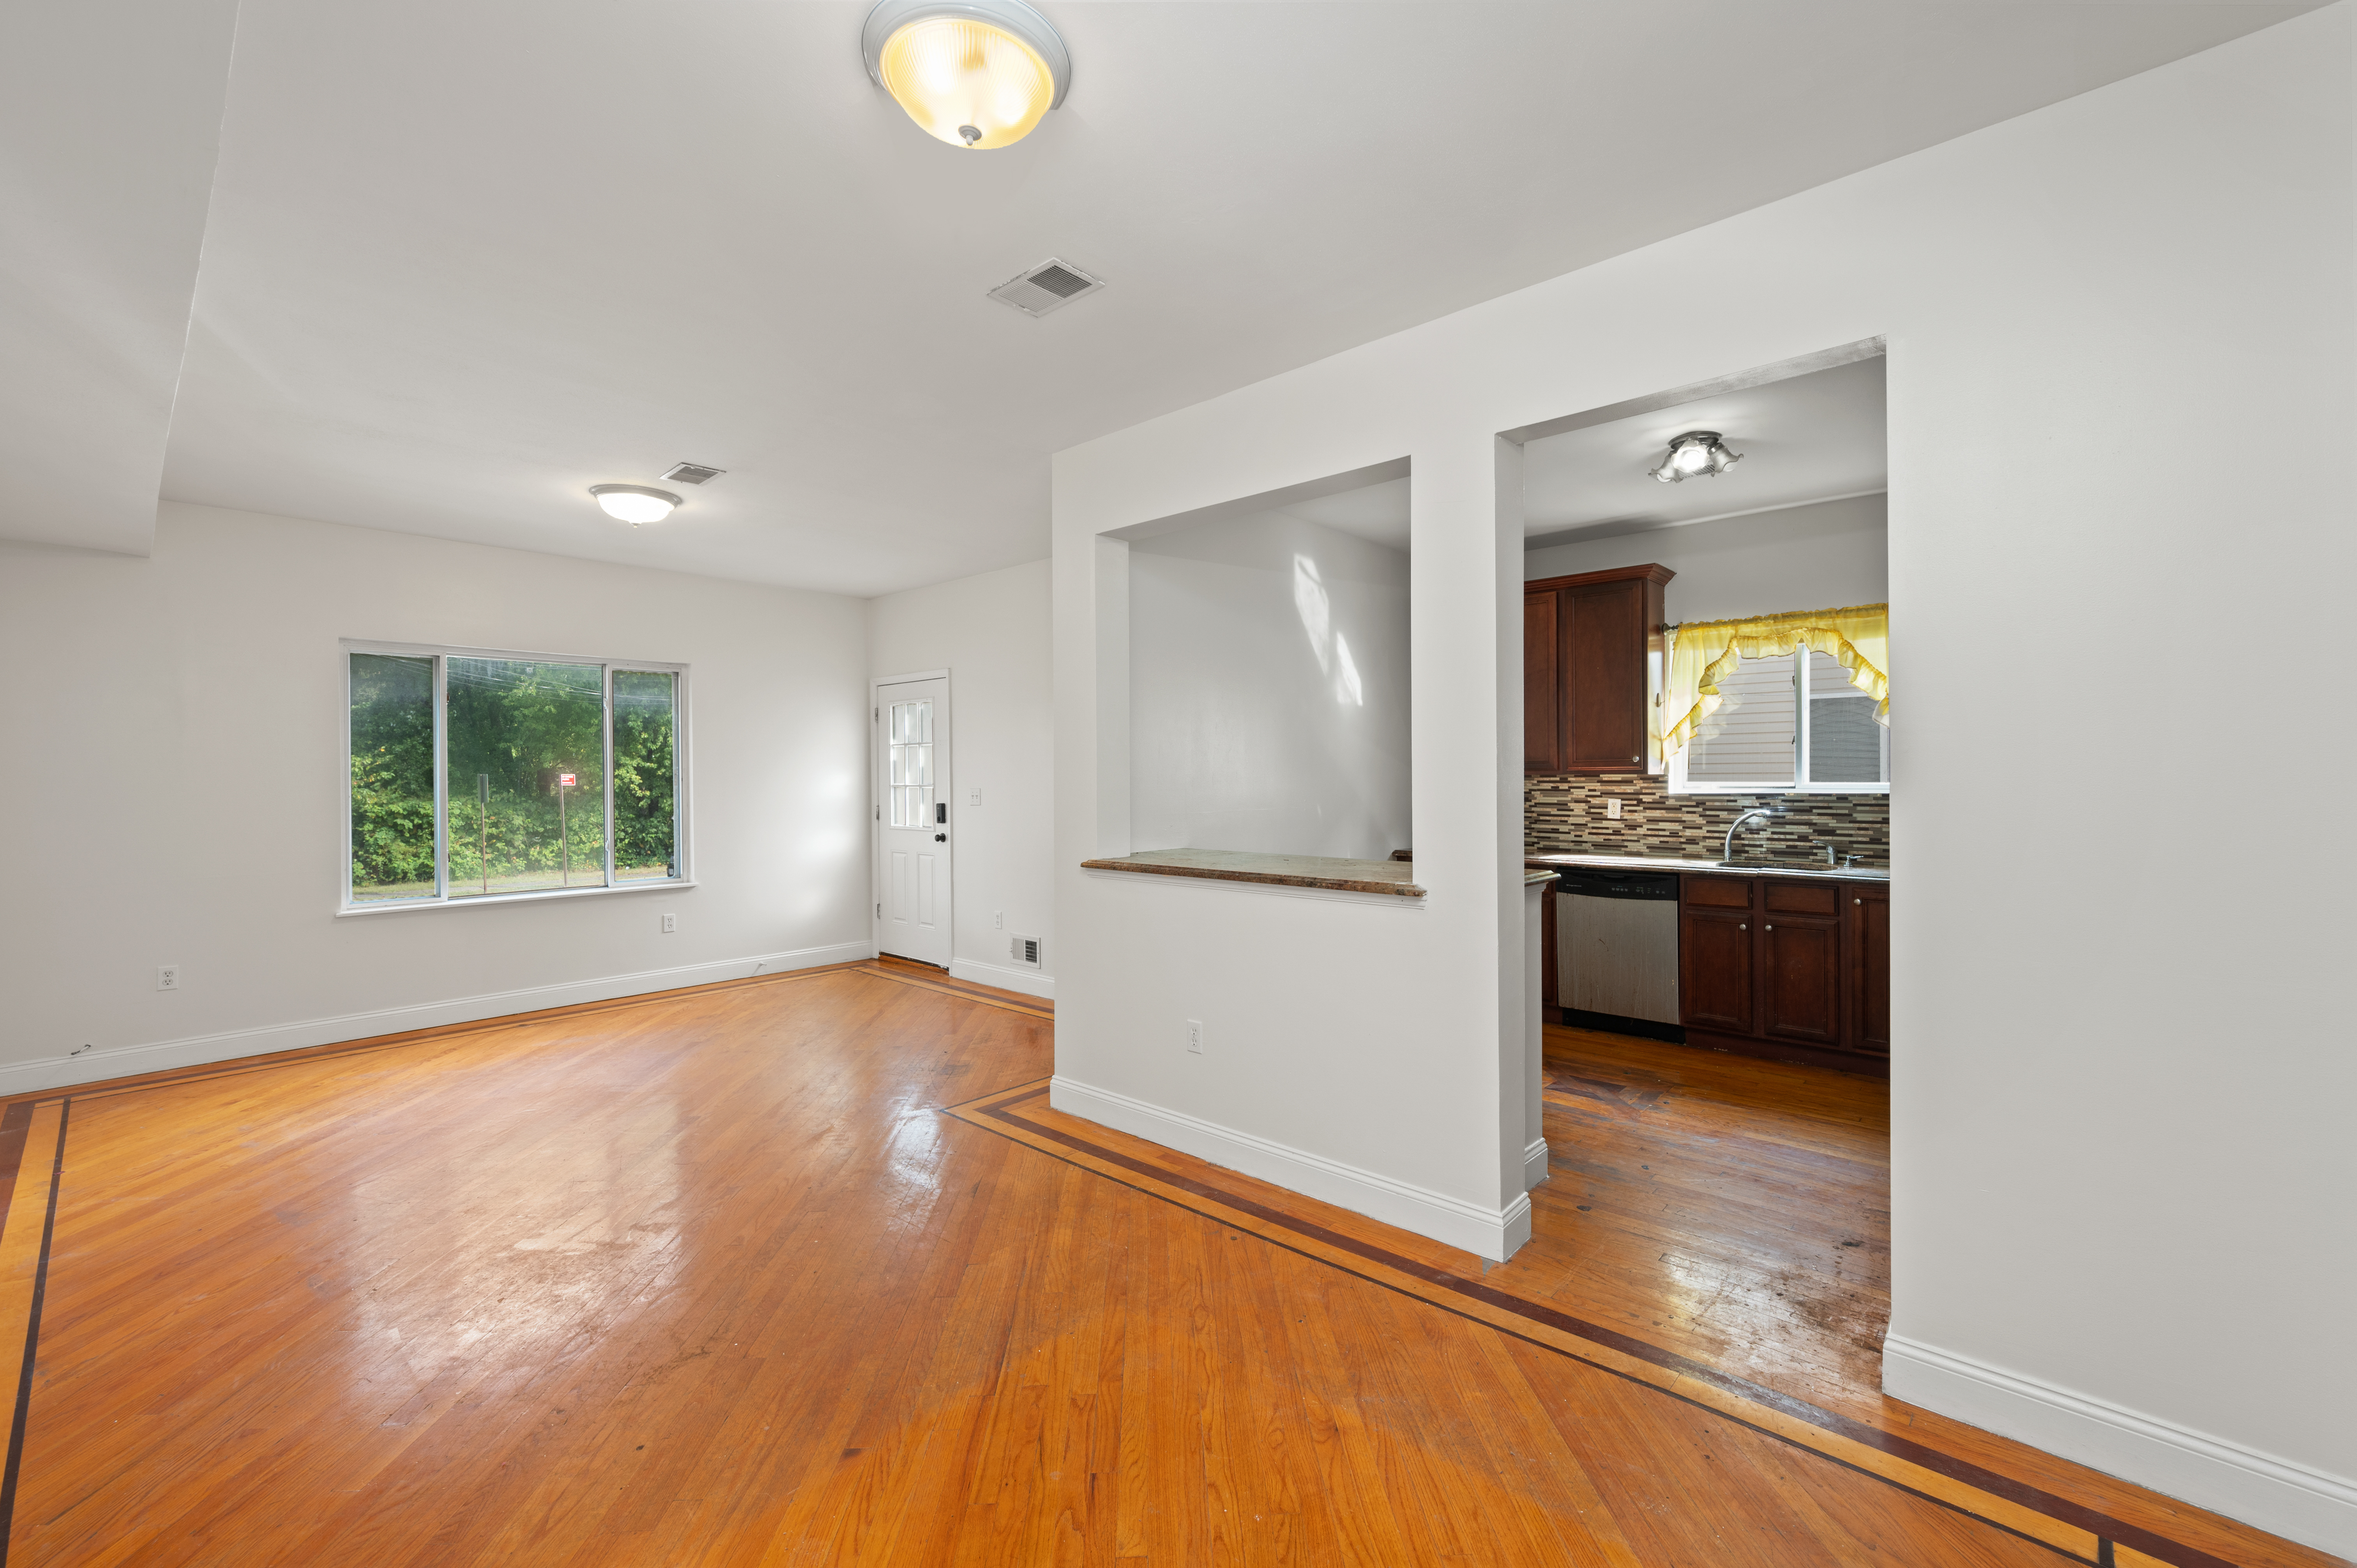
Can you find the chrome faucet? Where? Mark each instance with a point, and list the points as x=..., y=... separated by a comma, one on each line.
x=1729, y=853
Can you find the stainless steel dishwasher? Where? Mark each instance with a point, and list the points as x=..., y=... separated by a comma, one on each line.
x=1617, y=951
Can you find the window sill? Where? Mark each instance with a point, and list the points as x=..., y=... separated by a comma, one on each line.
x=540, y=896
x=1778, y=790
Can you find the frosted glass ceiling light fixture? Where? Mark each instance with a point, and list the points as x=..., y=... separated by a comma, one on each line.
x=973, y=73
x=1693, y=454
x=634, y=504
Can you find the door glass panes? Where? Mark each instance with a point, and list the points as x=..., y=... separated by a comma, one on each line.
x=392, y=778
x=646, y=773
x=1749, y=739
x=527, y=775
x=910, y=741
x=1846, y=745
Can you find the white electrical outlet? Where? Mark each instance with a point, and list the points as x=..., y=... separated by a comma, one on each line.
x=1613, y=810
x=974, y=796
x=671, y=924
x=998, y=919
x=1195, y=1035
x=167, y=977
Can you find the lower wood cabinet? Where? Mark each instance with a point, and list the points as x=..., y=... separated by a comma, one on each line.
x=1793, y=969
x=1801, y=980
x=1717, y=989
x=1869, y=936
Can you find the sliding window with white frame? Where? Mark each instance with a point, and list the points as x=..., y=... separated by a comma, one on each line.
x=474, y=774
x=1792, y=722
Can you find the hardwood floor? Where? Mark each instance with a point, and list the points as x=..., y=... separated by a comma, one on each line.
x=723, y=1278
x=1734, y=1210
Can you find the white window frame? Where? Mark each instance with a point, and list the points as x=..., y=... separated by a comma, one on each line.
x=1799, y=783
x=442, y=653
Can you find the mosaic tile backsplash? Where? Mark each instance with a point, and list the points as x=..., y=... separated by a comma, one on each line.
x=1566, y=814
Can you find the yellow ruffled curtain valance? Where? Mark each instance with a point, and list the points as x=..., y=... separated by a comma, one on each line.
x=1706, y=652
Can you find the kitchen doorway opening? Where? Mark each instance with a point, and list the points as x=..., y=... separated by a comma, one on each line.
x=1708, y=773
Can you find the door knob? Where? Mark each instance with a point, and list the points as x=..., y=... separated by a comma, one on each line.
x=940, y=838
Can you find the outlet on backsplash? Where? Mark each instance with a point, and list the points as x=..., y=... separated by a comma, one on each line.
x=1634, y=813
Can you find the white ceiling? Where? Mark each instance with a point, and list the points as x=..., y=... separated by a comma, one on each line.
x=1378, y=512
x=1807, y=438
x=464, y=260
x=108, y=127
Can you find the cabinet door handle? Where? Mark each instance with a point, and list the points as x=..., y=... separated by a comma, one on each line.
x=1767, y=927
x=1858, y=900
x=1743, y=925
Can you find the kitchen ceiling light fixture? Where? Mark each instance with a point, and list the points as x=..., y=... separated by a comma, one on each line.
x=973, y=73
x=635, y=504
x=1692, y=455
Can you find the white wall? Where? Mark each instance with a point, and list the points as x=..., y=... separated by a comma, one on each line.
x=990, y=632
x=1820, y=556
x=175, y=791
x=1268, y=681
x=2121, y=1099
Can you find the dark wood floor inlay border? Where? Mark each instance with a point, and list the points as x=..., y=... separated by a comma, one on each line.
x=33, y=1322
x=1000, y=1113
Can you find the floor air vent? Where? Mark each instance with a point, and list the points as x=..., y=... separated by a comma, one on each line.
x=1024, y=951
x=1050, y=285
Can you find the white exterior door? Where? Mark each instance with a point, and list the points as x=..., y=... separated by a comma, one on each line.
x=912, y=819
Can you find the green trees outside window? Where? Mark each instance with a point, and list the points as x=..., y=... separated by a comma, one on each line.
x=523, y=769
x=392, y=778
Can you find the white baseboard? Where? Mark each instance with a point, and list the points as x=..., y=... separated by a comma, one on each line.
x=200, y=1050
x=1029, y=982
x=1493, y=1233
x=1535, y=1164
x=2298, y=1503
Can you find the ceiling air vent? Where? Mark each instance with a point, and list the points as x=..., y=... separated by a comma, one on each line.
x=1049, y=286
x=693, y=473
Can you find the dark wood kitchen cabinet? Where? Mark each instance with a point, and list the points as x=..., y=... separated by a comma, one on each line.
x=1785, y=968
x=1591, y=660
x=1869, y=937
x=1542, y=683
x=1715, y=985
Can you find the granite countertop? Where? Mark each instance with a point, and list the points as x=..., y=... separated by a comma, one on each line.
x=1722, y=867
x=1336, y=875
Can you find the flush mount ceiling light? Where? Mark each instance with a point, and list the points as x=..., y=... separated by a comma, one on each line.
x=1693, y=454
x=635, y=504
x=973, y=73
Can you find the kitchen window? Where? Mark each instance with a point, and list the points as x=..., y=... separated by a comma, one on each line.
x=1789, y=723
x=475, y=775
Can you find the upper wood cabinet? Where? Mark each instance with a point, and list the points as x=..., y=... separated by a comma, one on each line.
x=1541, y=673
x=1591, y=660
